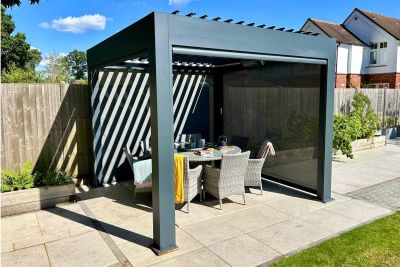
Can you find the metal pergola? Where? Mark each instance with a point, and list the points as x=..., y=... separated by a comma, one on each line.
x=161, y=42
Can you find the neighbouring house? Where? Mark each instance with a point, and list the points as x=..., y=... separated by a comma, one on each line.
x=368, y=49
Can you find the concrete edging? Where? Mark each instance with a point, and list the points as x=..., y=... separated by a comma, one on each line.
x=33, y=199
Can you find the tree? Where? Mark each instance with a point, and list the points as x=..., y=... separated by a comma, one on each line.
x=77, y=65
x=56, y=67
x=34, y=58
x=15, y=51
x=17, y=75
x=11, y=3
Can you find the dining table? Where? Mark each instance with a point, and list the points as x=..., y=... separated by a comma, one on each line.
x=217, y=153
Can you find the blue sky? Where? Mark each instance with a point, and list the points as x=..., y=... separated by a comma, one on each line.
x=64, y=25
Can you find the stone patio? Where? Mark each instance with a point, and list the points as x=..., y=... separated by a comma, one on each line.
x=106, y=228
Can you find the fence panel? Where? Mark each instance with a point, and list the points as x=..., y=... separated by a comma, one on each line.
x=48, y=124
x=385, y=102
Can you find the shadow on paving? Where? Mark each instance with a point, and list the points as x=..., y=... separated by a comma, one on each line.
x=100, y=225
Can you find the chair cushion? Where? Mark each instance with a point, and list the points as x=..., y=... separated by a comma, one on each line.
x=142, y=171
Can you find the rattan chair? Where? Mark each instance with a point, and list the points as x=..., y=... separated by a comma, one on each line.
x=192, y=182
x=254, y=168
x=191, y=177
x=141, y=172
x=229, y=180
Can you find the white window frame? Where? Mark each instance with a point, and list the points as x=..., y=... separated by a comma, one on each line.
x=378, y=85
x=379, y=49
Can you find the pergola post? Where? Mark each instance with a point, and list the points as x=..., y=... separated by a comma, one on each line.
x=161, y=108
x=326, y=128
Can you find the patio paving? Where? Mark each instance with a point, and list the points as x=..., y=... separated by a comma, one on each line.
x=106, y=228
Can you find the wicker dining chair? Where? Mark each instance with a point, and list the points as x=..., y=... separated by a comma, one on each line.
x=229, y=180
x=254, y=168
x=142, y=179
x=141, y=169
x=192, y=182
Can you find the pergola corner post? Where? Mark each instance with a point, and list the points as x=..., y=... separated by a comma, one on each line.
x=161, y=108
x=324, y=182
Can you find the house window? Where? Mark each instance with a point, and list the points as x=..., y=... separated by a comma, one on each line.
x=378, y=85
x=377, y=55
x=373, y=57
x=373, y=54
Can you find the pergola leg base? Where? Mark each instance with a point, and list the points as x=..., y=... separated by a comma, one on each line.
x=160, y=252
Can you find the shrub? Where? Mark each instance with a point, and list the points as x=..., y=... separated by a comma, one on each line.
x=18, y=75
x=12, y=180
x=25, y=178
x=53, y=177
x=360, y=123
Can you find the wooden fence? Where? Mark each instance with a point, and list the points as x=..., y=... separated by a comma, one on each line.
x=385, y=102
x=48, y=124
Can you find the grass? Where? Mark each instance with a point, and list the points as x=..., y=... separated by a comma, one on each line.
x=374, y=244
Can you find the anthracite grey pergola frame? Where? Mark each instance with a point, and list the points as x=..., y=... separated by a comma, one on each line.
x=159, y=36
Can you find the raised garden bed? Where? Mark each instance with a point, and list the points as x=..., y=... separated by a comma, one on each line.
x=32, y=199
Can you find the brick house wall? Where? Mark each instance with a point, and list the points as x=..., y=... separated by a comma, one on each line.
x=393, y=79
x=341, y=81
x=357, y=80
x=354, y=80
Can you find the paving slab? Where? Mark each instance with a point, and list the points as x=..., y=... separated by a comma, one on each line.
x=198, y=258
x=63, y=217
x=212, y=231
x=243, y=251
x=29, y=257
x=19, y=227
x=289, y=235
x=369, y=167
x=296, y=206
x=255, y=218
x=142, y=255
x=328, y=221
x=83, y=250
x=358, y=210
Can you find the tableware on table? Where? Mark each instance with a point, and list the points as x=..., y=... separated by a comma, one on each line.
x=222, y=140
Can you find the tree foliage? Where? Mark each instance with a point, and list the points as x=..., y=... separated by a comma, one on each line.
x=18, y=60
x=11, y=3
x=56, y=67
x=360, y=123
x=17, y=75
x=77, y=65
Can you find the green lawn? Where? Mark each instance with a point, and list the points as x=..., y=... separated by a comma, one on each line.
x=375, y=244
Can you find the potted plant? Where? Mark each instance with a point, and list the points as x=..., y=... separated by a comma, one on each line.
x=391, y=127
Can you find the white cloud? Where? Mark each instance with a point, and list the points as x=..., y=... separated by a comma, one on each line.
x=80, y=24
x=178, y=2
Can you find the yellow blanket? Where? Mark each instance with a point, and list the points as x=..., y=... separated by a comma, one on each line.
x=178, y=173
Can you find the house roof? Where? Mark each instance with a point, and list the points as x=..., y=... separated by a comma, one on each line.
x=389, y=24
x=338, y=31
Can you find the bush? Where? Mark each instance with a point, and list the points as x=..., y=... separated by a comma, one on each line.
x=53, y=177
x=12, y=180
x=360, y=123
x=25, y=178
x=17, y=75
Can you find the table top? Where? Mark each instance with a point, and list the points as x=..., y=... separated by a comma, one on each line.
x=217, y=154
